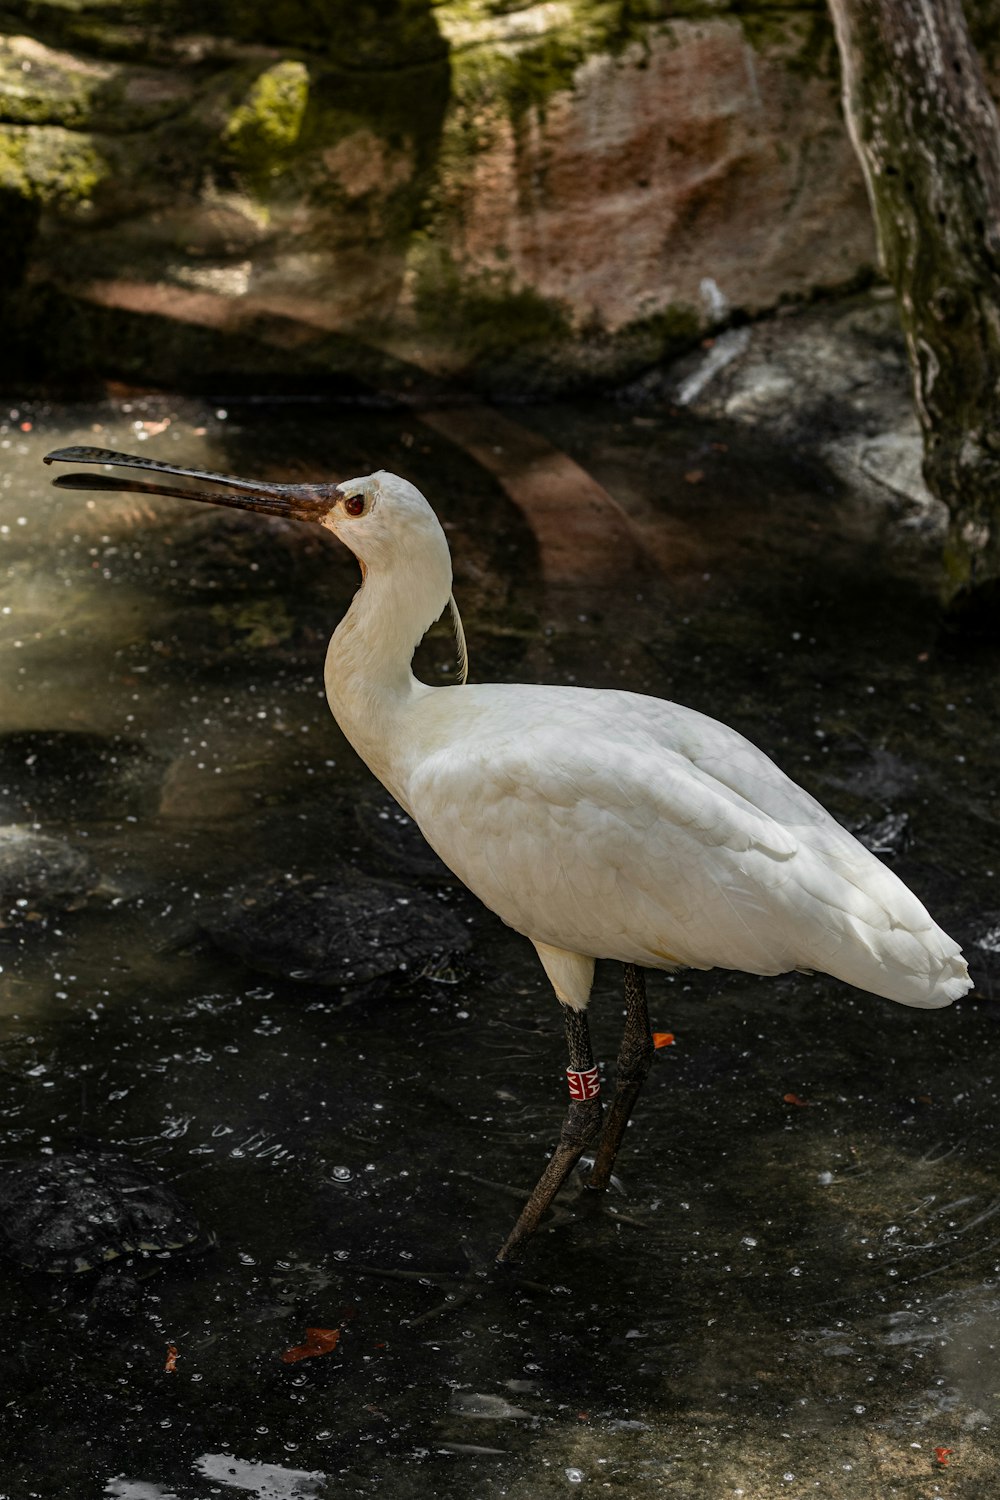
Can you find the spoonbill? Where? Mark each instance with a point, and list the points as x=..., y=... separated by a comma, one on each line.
x=598, y=823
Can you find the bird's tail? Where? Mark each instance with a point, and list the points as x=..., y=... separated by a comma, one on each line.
x=924, y=969
x=870, y=930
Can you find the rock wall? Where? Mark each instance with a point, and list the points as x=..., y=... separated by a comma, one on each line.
x=514, y=195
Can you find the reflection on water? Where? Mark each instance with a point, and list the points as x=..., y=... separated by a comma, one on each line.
x=793, y=1288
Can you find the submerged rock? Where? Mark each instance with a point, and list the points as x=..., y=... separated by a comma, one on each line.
x=391, y=836
x=78, y=1210
x=41, y=874
x=67, y=773
x=345, y=933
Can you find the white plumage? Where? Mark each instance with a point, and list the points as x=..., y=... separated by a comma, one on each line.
x=600, y=824
x=609, y=825
x=605, y=824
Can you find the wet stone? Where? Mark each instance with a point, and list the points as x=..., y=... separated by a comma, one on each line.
x=76, y=1211
x=888, y=836
x=60, y=774
x=40, y=874
x=344, y=933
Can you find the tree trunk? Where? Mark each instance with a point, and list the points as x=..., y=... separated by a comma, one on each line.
x=925, y=128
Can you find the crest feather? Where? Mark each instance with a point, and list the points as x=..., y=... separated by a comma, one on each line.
x=463, y=650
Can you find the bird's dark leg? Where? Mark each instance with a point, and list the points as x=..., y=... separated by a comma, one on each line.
x=580, y=1129
x=634, y=1059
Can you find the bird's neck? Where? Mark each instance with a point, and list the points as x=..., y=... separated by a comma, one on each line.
x=369, y=679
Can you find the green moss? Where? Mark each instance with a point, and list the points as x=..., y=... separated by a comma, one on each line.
x=493, y=59
x=803, y=37
x=486, y=315
x=508, y=337
x=41, y=95
x=15, y=180
x=263, y=132
x=496, y=55
x=260, y=625
x=957, y=567
x=664, y=334
x=50, y=165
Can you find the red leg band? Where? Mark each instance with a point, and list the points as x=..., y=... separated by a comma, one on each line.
x=583, y=1085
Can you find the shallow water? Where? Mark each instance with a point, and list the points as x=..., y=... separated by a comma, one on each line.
x=793, y=1287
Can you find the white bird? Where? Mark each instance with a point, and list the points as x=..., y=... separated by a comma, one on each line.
x=598, y=823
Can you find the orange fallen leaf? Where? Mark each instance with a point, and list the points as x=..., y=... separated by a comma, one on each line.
x=170, y=1368
x=794, y=1099
x=694, y=476
x=941, y=1454
x=318, y=1341
x=663, y=1039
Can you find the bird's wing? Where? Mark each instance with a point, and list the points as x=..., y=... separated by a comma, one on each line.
x=608, y=847
x=624, y=827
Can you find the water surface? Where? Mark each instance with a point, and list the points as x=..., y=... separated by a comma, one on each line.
x=792, y=1288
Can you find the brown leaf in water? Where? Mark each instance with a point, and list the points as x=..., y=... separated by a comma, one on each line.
x=317, y=1341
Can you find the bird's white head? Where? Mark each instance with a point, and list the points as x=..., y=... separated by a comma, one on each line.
x=387, y=523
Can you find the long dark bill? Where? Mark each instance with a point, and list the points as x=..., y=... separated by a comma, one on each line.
x=301, y=502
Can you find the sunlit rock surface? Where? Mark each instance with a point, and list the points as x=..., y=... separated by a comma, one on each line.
x=537, y=193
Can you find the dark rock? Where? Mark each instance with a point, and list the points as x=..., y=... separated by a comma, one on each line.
x=886, y=837
x=831, y=382
x=392, y=838
x=41, y=874
x=59, y=774
x=78, y=1210
x=344, y=933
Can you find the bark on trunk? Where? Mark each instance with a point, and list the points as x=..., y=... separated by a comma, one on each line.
x=926, y=131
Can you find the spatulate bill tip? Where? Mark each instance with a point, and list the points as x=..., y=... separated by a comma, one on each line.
x=79, y=455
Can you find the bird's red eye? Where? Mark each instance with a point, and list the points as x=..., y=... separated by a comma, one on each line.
x=354, y=505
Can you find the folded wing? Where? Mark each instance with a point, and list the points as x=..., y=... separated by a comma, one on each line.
x=624, y=827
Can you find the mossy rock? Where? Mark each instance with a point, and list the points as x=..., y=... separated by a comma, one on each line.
x=48, y=164
x=304, y=187
x=264, y=130
x=40, y=85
